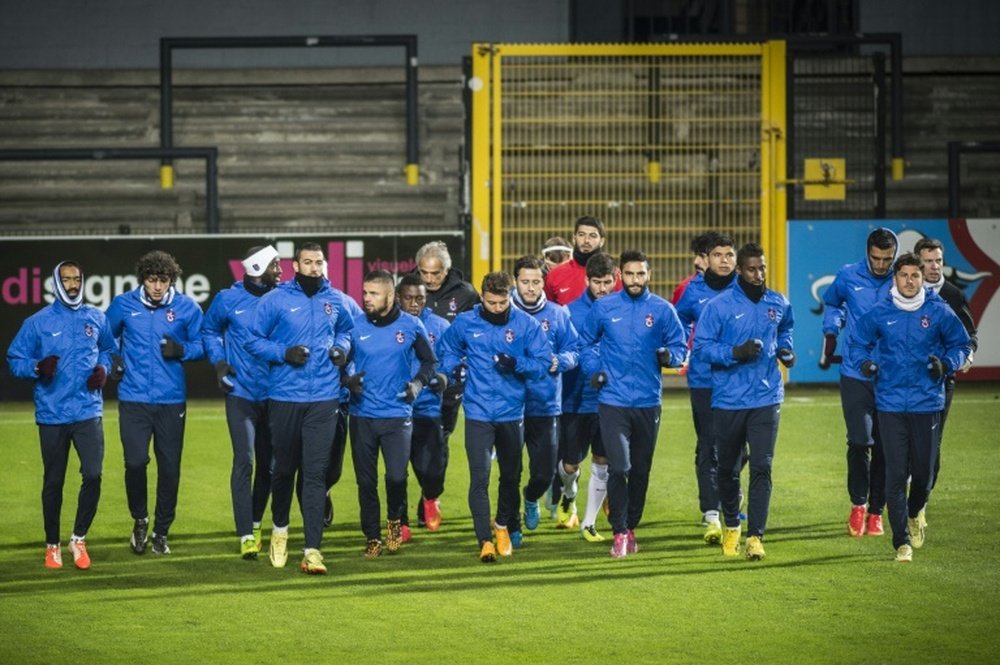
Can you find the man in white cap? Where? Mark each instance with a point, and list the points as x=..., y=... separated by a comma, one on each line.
x=243, y=380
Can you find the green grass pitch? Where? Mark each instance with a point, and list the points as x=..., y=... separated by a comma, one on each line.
x=819, y=596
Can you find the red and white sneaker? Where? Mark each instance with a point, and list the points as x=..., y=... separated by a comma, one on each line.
x=873, y=525
x=405, y=534
x=432, y=514
x=620, y=548
x=856, y=522
x=53, y=556
x=631, y=546
x=80, y=557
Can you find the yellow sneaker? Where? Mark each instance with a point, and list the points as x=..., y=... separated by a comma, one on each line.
x=566, y=515
x=731, y=541
x=278, y=551
x=755, y=548
x=258, y=538
x=312, y=563
x=248, y=548
x=917, y=533
x=904, y=554
x=373, y=549
x=393, y=536
x=713, y=532
x=590, y=534
x=504, y=546
x=488, y=553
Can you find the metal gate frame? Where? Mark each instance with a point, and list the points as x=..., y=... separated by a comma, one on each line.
x=485, y=170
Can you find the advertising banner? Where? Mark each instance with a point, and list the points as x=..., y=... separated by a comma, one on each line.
x=209, y=263
x=818, y=249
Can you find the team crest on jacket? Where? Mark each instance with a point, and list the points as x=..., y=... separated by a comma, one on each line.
x=88, y=330
x=925, y=321
x=432, y=337
x=171, y=316
x=545, y=325
x=508, y=335
x=328, y=308
x=400, y=337
x=771, y=314
x=649, y=320
x=452, y=305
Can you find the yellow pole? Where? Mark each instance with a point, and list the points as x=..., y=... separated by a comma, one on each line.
x=166, y=176
x=479, y=176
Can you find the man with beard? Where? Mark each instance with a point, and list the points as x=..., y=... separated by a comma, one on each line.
x=718, y=275
x=158, y=330
x=908, y=344
x=243, y=380
x=638, y=333
x=302, y=330
x=742, y=334
x=543, y=403
x=65, y=348
x=567, y=281
x=495, y=348
x=854, y=291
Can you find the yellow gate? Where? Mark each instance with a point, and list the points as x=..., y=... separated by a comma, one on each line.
x=661, y=142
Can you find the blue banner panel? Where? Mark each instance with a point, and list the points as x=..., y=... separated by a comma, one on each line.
x=818, y=249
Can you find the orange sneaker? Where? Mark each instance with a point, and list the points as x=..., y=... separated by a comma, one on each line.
x=80, y=557
x=873, y=525
x=53, y=556
x=432, y=514
x=856, y=522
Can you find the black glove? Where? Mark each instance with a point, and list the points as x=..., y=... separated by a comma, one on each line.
x=598, y=380
x=505, y=364
x=438, y=383
x=223, y=371
x=46, y=367
x=297, y=355
x=935, y=367
x=787, y=357
x=98, y=377
x=171, y=348
x=459, y=374
x=337, y=356
x=829, y=346
x=354, y=382
x=869, y=369
x=748, y=350
x=663, y=357
x=117, y=368
x=412, y=391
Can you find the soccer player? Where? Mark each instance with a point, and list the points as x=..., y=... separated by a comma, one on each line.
x=566, y=282
x=700, y=247
x=387, y=343
x=743, y=333
x=543, y=404
x=580, y=428
x=854, y=291
x=302, y=330
x=500, y=348
x=243, y=380
x=638, y=333
x=158, y=330
x=555, y=251
x=65, y=348
x=718, y=275
x=909, y=343
x=428, y=445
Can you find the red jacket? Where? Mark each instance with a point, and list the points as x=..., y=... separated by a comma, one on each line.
x=567, y=282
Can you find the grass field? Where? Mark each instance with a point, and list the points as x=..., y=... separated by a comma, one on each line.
x=818, y=597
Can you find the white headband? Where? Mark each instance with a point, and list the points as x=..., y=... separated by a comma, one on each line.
x=257, y=263
x=556, y=248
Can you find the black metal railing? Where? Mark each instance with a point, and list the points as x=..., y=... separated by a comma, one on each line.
x=955, y=151
x=210, y=155
x=409, y=42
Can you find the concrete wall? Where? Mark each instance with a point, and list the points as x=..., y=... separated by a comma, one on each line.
x=113, y=34
x=932, y=27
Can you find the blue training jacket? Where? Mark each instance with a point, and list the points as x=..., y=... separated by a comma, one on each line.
x=428, y=404
x=286, y=317
x=629, y=331
x=492, y=396
x=578, y=396
x=225, y=330
x=901, y=342
x=730, y=319
x=149, y=377
x=82, y=340
x=544, y=396
x=696, y=295
x=854, y=291
x=386, y=354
